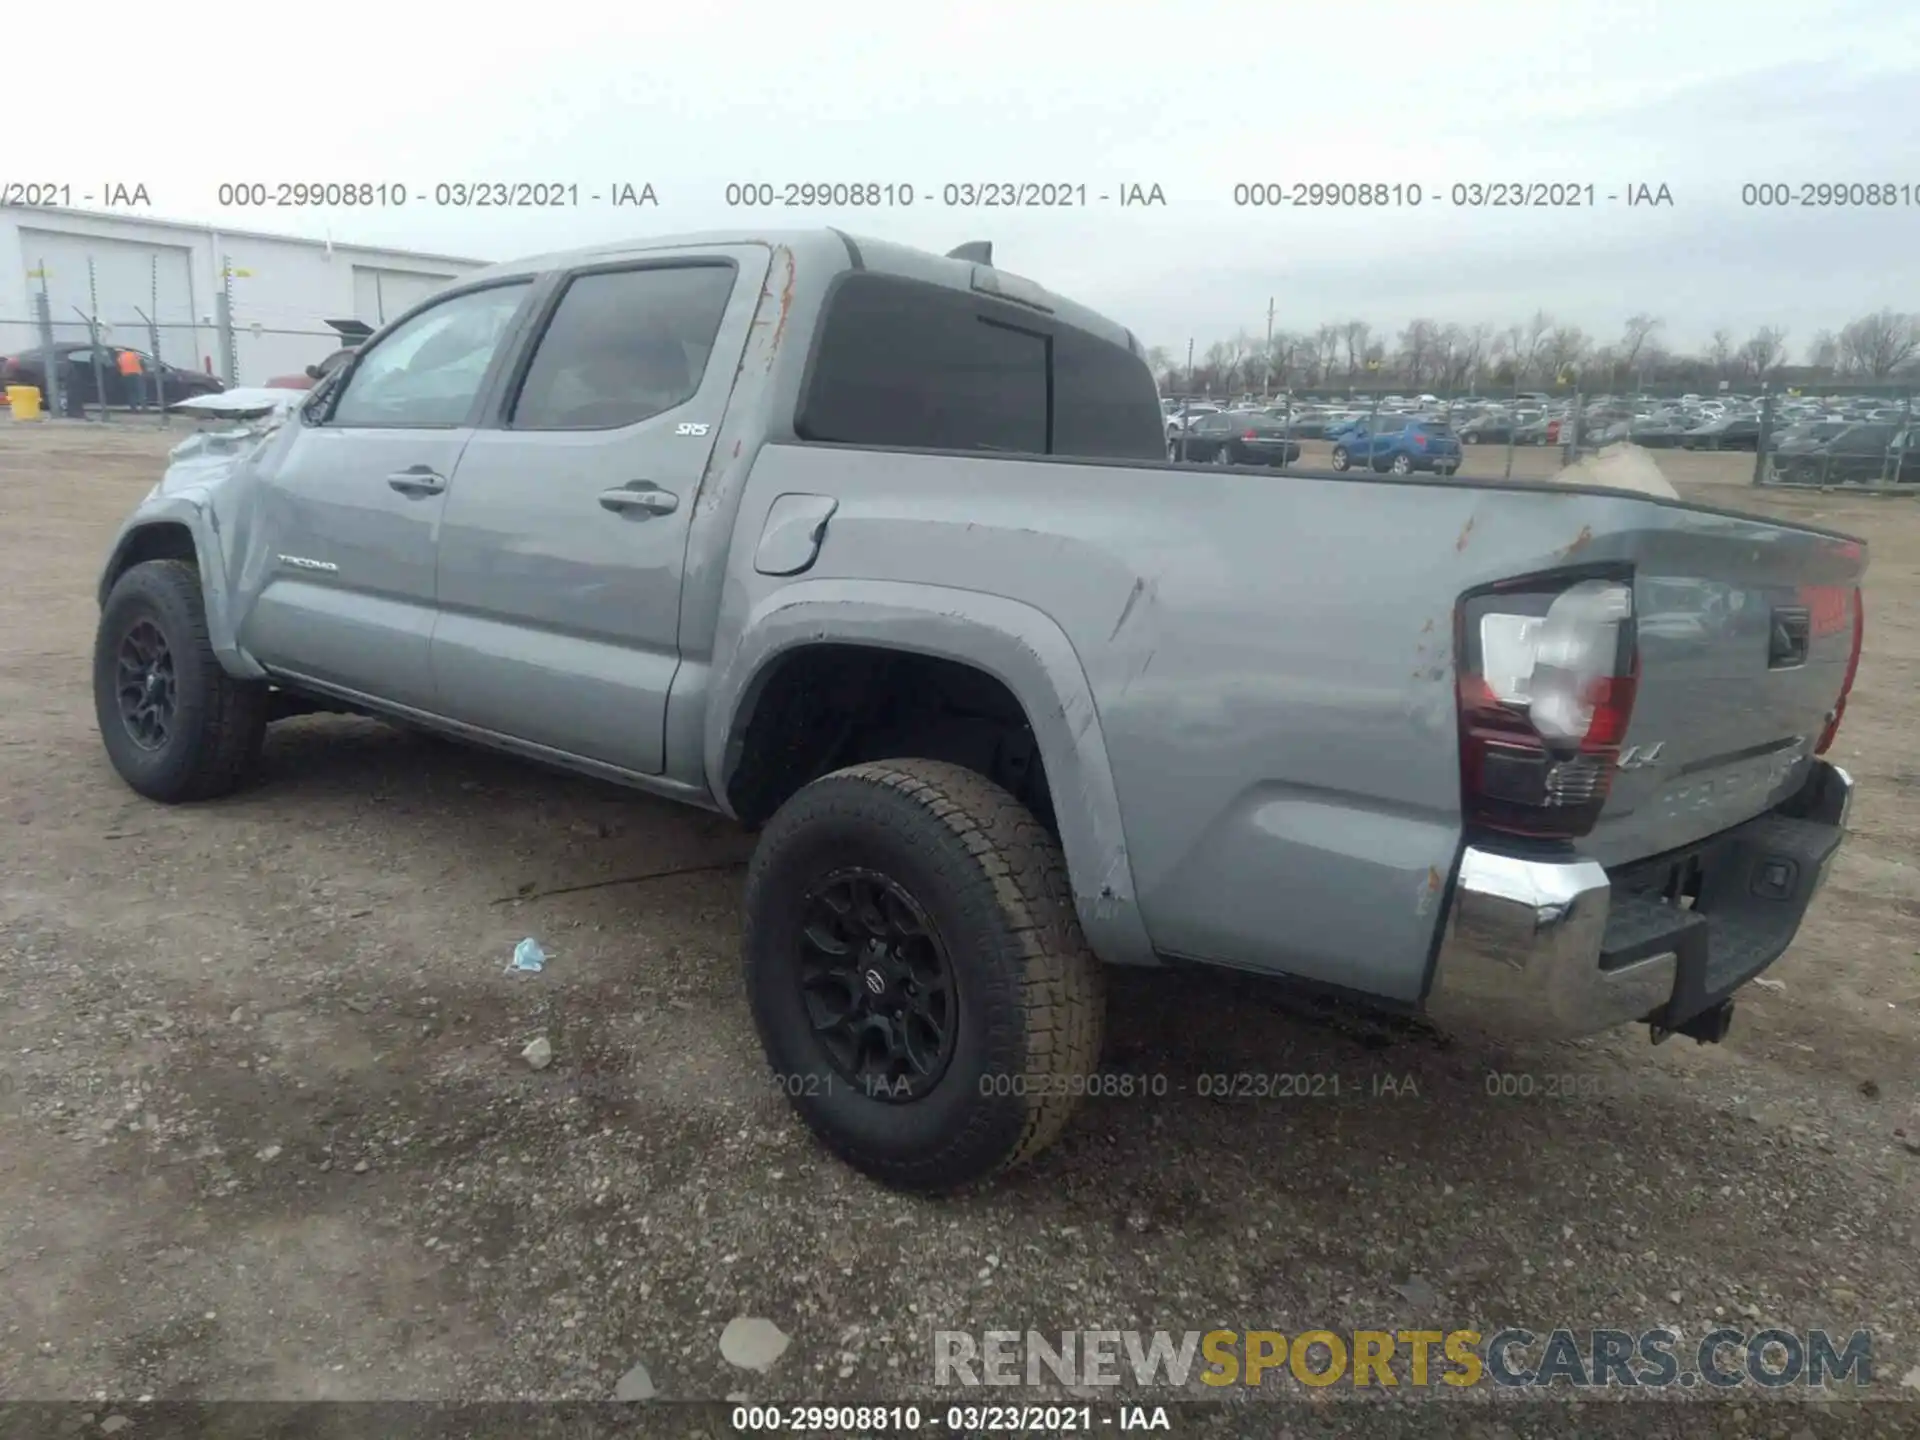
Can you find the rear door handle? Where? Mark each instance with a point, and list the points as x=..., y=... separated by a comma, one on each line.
x=417, y=481
x=641, y=497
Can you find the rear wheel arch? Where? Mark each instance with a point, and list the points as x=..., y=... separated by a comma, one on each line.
x=1008, y=661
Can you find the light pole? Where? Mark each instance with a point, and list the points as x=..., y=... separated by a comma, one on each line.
x=1266, y=385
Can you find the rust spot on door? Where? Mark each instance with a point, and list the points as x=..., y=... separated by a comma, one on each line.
x=1581, y=541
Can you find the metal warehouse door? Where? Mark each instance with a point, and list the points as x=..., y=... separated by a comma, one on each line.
x=129, y=277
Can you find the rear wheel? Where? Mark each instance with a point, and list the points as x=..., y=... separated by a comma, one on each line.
x=1223, y=455
x=1402, y=465
x=1341, y=460
x=917, y=972
x=177, y=727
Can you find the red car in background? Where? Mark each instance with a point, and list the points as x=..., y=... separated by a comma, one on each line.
x=353, y=332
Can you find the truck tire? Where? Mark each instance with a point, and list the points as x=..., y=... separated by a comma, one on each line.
x=177, y=727
x=917, y=973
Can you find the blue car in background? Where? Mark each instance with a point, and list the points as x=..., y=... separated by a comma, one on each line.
x=1400, y=448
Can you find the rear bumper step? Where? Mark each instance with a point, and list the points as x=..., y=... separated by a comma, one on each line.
x=1562, y=948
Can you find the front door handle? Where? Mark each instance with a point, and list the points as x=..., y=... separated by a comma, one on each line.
x=641, y=497
x=417, y=481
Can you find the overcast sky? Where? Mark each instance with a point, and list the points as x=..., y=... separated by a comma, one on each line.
x=1700, y=96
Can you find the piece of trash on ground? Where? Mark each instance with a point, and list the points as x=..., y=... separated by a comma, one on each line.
x=636, y=1384
x=539, y=1053
x=528, y=955
x=752, y=1343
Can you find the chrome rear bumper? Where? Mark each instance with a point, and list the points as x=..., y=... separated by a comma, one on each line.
x=1525, y=949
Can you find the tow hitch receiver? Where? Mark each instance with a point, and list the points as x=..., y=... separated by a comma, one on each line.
x=1709, y=1027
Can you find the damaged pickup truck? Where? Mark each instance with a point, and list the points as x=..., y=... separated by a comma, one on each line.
x=878, y=552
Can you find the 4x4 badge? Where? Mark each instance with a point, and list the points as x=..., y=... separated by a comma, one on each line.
x=1638, y=757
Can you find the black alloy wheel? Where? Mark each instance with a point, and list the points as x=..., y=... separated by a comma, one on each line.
x=877, y=984
x=175, y=724
x=146, y=687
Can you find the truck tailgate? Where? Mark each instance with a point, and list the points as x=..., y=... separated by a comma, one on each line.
x=1745, y=633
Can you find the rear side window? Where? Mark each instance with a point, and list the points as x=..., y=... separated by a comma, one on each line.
x=623, y=346
x=909, y=365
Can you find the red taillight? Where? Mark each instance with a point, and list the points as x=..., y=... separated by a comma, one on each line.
x=1420, y=440
x=1828, y=735
x=1548, y=669
x=1250, y=435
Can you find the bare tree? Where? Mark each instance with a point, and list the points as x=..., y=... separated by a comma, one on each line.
x=1824, y=352
x=1634, y=341
x=1762, y=354
x=1327, y=338
x=1527, y=341
x=1419, y=351
x=1561, y=350
x=1285, y=356
x=1877, y=345
x=1720, y=352
x=1354, y=335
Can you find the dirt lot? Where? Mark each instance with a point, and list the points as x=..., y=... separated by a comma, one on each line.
x=264, y=1131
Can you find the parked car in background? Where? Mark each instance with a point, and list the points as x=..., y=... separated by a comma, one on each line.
x=1657, y=432
x=1858, y=455
x=1314, y=424
x=1544, y=431
x=1801, y=439
x=353, y=334
x=1486, y=430
x=81, y=380
x=1417, y=445
x=1728, y=432
x=313, y=374
x=1237, y=437
x=1186, y=414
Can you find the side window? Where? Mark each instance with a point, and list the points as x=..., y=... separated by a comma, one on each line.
x=430, y=369
x=911, y=365
x=623, y=346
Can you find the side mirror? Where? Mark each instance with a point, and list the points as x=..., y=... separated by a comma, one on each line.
x=314, y=372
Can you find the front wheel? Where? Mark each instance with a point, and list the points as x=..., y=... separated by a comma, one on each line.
x=917, y=973
x=177, y=727
x=1402, y=465
x=1341, y=460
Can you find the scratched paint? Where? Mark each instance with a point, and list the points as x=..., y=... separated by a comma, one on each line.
x=785, y=256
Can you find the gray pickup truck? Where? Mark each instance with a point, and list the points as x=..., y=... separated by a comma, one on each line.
x=879, y=552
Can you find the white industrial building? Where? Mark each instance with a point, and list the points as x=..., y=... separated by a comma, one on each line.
x=127, y=270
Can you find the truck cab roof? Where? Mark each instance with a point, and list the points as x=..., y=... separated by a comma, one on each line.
x=831, y=250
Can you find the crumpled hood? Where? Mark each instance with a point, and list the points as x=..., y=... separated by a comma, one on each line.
x=207, y=456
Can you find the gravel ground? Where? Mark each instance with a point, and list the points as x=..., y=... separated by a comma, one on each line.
x=266, y=1132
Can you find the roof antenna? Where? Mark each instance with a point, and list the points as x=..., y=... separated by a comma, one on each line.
x=978, y=252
